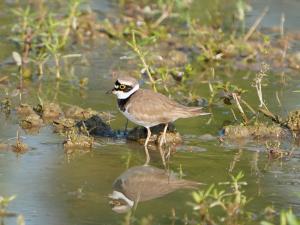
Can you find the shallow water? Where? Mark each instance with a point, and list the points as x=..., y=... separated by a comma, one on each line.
x=54, y=188
x=277, y=8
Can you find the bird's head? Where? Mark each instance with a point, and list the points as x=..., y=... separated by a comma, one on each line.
x=119, y=202
x=125, y=86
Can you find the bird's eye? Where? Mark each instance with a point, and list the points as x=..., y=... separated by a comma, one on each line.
x=122, y=86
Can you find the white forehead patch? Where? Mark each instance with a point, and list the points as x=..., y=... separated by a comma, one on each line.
x=126, y=82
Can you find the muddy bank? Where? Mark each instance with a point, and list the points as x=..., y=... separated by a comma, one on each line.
x=81, y=126
x=280, y=129
x=258, y=131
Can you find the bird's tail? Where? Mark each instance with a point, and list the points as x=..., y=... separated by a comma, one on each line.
x=188, y=184
x=186, y=112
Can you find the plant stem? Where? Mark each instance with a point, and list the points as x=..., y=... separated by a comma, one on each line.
x=141, y=55
x=256, y=23
x=56, y=58
x=240, y=107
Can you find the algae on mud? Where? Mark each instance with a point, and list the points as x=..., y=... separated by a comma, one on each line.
x=81, y=125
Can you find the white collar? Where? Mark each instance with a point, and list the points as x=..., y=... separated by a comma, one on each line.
x=120, y=195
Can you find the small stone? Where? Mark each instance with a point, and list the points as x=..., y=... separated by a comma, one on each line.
x=78, y=113
x=255, y=131
x=19, y=147
x=52, y=110
x=293, y=121
x=96, y=126
x=176, y=58
x=139, y=134
x=173, y=138
x=63, y=125
x=25, y=110
x=32, y=121
x=76, y=140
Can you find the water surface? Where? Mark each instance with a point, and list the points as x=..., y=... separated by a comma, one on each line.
x=54, y=188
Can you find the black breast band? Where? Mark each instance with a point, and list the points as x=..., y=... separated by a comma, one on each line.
x=122, y=103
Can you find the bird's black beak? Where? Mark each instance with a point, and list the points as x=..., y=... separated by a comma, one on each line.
x=110, y=91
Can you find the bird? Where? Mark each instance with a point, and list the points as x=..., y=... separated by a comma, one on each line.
x=143, y=183
x=147, y=108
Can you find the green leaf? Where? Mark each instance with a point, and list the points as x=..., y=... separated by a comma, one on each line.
x=265, y=223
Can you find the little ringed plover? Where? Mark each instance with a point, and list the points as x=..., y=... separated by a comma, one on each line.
x=147, y=108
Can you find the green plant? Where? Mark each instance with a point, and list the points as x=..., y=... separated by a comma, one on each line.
x=142, y=56
x=230, y=93
x=286, y=218
x=231, y=203
x=258, y=83
x=242, y=7
x=4, y=202
x=40, y=35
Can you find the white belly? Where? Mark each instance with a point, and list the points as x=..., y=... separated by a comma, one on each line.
x=138, y=122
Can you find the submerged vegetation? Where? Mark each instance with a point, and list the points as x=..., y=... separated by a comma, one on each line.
x=224, y=203
x=4, y=203
x=192, y=59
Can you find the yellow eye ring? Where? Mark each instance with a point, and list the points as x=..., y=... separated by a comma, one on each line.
x=122, y=86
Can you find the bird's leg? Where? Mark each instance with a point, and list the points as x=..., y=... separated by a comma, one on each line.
x=146, y=148
x=163, y=140
x=126, y=125
x=168, y=153
x=163, y=137
x=162, y=154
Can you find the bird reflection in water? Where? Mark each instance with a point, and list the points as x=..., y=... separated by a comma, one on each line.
x=143, y=183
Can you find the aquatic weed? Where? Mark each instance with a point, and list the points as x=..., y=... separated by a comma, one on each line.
x=286, y=218
x=231, y=202
x=41, y=34
x=141, y=54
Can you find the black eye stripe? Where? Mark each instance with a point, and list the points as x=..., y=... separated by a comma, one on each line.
x=126, y=89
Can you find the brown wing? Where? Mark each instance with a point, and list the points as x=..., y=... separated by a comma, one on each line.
x=155, y=107
x=144, y=183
